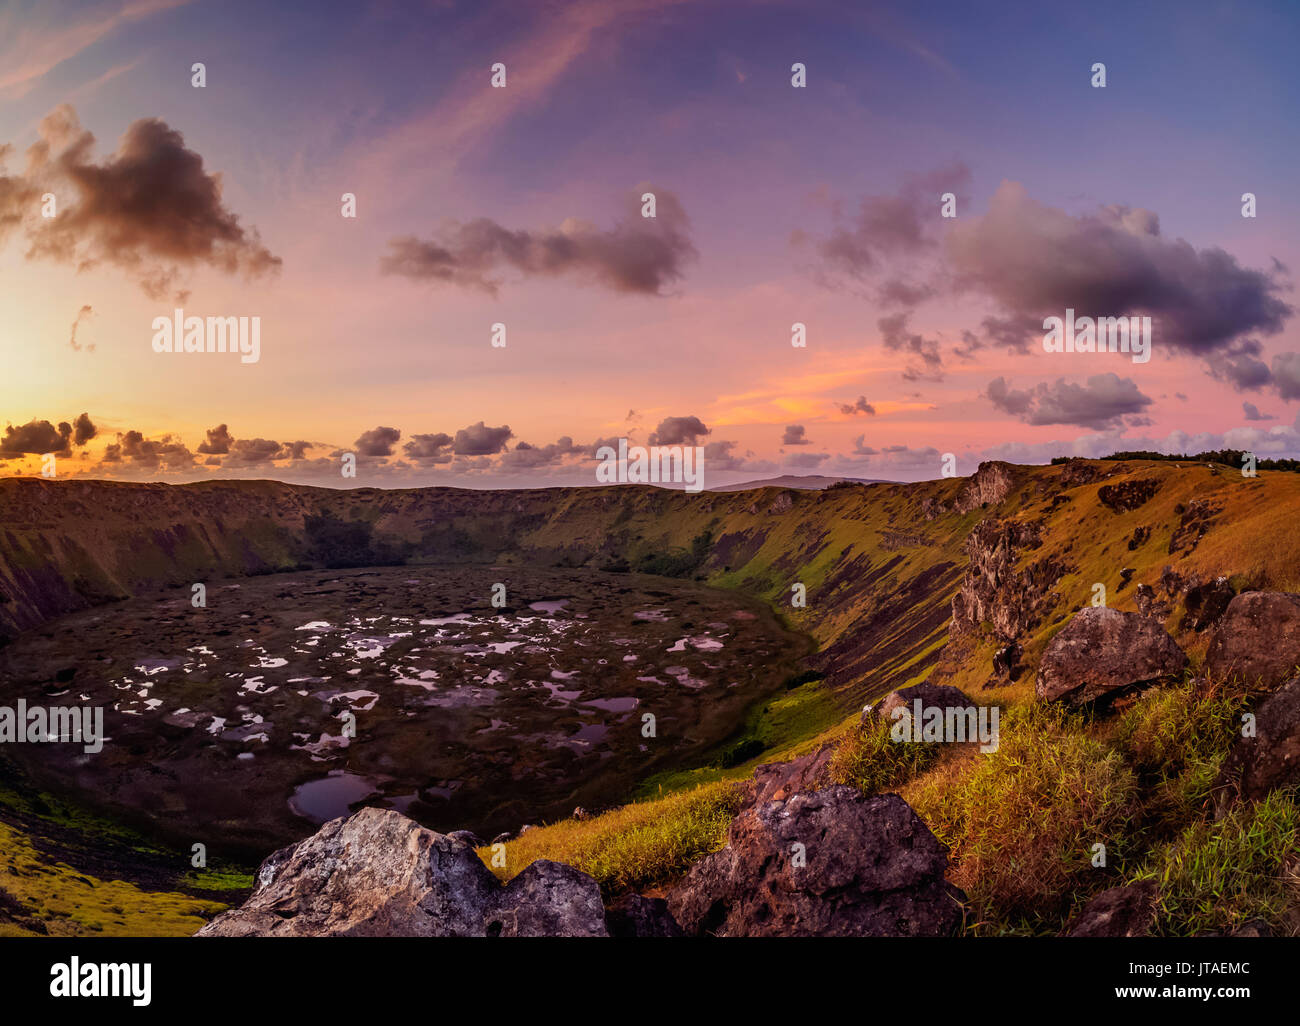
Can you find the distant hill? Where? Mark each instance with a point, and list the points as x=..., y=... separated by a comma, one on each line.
x=812, y=482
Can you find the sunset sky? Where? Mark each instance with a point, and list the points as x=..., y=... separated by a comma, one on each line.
x=521, y=205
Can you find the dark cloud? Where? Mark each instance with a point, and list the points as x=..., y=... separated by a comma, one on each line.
x=528, y=457
x=887, y=227
x=218, y=441
x=150, y=208
x=927, y=363
x=795, y=435
x=1239, y=365
x=377, y=442
x=720, y=456
x=1035, y=260
x=861, y=406
x=431, y=448
x=165, y=453
x=36, y=437
x=679, y=431
x=1016, y=334
x=253, y=451
x=1251, y=412
x=638, y=255
x=1286, y=375
x=1102, y=403
x=480, y=440
x=297, y=450
x=83, y=430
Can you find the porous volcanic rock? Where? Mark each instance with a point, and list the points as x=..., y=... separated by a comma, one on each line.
x=1270, y=759
x=829, y=863
x=378, y=874
x=1125, y=911
x=1102, y=652
x=1257, y=638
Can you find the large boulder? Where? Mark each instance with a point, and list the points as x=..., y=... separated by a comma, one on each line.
x=548, y=899
x=1125, y=911
x=831, y=863
x=378, y=874
x=1271, y=758
x=1258, y=638
x=1103, y=652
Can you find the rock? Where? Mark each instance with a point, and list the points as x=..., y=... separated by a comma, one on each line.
x=988, y=486
x=932, y=507
x=993, y=590
x=1256, y=765
x=468, y=837
x=806, y=773
x=944, y=696
x=1127, y=496
x=378, y=874
x=502, y=837
x=1006, y=661
x=1102, y=652
x=1257, y=639
x=1075, y=472
x=548, y=899
x=525, y=828
x=1140, y=536
x=635, y=916
x=1196, y=520
x=1125, y=911
x=581, y=814
x=1206, y=603
x=872, y=869
x=1149, y=604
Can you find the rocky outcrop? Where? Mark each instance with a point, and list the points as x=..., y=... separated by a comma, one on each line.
x=1076, y=472
x=1205, y=603
x=989, y=485
x=1271, y=758
x=378, y=874
x=1103, y=652
x=1257, y=639
x=1195, y=520
x=932, y=508
x=1126, y=496
x=993, y=590
x=829, y=863
x=1006, y=664
x=1125, y=911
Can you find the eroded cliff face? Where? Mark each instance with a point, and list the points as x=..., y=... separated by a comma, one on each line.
x=1004, y=586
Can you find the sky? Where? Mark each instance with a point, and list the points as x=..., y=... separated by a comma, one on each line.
x=776, y=203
